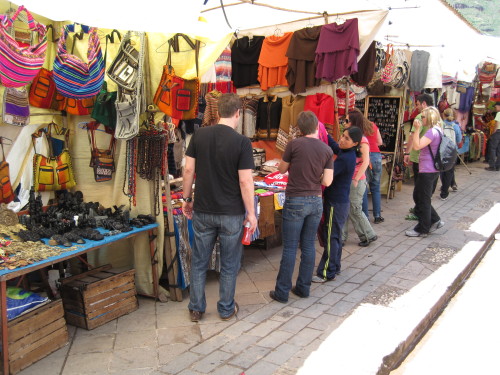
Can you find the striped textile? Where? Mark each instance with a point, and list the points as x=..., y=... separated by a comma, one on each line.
x=20, y=64
x=73, y=77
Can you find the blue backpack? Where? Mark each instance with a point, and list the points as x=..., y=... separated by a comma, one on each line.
x=446, y=156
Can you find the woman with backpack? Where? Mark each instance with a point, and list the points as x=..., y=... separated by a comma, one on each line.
x=452, y=130
x=428, y=219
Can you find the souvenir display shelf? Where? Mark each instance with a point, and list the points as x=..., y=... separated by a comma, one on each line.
x=6, y=275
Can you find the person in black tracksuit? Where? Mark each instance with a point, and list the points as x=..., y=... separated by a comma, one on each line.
x=336, y=202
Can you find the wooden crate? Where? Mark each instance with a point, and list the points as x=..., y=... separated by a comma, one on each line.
x=35, y=335
x=96, y=297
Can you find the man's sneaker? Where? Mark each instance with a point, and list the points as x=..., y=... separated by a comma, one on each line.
x=317, y=279
x=434, y=227
x=414, y=233
x=444, y=198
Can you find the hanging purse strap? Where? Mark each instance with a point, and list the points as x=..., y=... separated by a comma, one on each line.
x=111, y=39
x=173, y=43
x=91, y=129
x=32, y=24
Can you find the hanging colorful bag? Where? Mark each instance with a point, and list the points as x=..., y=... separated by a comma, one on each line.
x=52, y=173
x=101, y=160
x=16, y=108
x=43, y=90
x=6, y=193
x=487, y=72
x=178, y=97
x=73, y=77
x=389, y=66
x=104, y=107
x=20, y=64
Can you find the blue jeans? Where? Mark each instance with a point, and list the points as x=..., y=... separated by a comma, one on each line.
x=301, y=217
x=335, y=217
x=207, y=228
x=373, y=175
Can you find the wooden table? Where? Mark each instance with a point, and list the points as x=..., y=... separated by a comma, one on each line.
x=82, y=249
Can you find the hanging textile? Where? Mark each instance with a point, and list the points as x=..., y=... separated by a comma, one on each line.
x=338, y=50
x=366, y=66
x=248, y=120
x=268, y=117
x=301, y=53
x=273, y=62
x=211, y=114
x=183, y=242
x=434, y=73
x=322, y=105
x=291, y=108
x=245, y=54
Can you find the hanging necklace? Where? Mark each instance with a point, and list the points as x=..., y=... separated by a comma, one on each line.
x=129, y=179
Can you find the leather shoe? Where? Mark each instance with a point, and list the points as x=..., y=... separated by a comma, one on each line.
x=297, y=293
x=235, y=311
x=273, y=296
x=195, y=315
x=378, y=220
x=365, y=243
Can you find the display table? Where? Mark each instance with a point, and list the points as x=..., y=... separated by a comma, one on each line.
x=82, y=249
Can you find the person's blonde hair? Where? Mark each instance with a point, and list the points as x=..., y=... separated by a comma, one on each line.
x=432, y=116
x=448, y=114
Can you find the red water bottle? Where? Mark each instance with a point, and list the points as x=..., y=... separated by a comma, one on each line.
x=247, y=236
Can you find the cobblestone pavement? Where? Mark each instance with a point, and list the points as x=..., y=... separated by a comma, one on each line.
x=268, y=337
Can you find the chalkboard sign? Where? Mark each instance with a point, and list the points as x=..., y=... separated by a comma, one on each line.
x=360, y=104
x=384, y=112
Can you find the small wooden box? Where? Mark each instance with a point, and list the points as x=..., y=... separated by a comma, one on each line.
x=35, y=335
x=98, y=296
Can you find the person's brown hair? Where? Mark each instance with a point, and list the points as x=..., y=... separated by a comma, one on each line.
x=228, y=104
x=307, y=122
x=356, y=118
x=448, y=114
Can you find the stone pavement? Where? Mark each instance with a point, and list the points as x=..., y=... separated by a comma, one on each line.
x=363, y=320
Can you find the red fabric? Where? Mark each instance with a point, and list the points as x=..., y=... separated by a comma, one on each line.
x=323, y=107
x=372, y=139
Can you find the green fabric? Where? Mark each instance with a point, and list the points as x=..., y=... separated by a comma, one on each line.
x=414, y=154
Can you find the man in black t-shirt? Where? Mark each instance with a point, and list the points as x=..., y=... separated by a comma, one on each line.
x=222, y=161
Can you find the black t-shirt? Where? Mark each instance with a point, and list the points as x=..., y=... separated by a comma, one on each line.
x=219, y=152
x=308, y=158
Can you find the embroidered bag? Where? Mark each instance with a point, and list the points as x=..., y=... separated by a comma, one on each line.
x=487, y=72
x=16, y=108
x=130, y=100
x=389, y=67
x=170, y=127
x=43, y=90
x=104, y=107
x=178, y=97
x=6, y=193
x=102, y=160
x=124, y=70
x=20, y=64
x=73, y=77
x=52, y=173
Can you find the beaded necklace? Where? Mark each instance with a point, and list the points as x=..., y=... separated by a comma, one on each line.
x=129, y=180
x=151, y=159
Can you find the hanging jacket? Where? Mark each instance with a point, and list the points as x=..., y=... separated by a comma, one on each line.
x=268, y=117
x=323, y=107
x=245, y=54
x=301, y=54
x=273, y=62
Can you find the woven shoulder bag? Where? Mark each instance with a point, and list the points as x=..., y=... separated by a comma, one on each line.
x=73, y=77
x=19, y=64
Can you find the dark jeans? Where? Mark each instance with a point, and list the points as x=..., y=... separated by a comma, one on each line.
x=301, y=217
x=335, y=217
x=415, y=179
x=427, y=215
x=447, y=180
x=494, y=150
x=229, y=229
